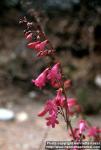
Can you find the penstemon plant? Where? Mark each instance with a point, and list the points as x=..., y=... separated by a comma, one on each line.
x=61, y=104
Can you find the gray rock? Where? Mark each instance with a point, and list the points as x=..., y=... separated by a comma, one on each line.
x=32, y=94
x=6, y=114
x=98, y=80
x=22, y=116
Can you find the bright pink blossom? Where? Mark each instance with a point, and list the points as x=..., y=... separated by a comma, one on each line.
x=93, y=131
x=71, y=102
x=33, y=44
x=52, y=110
x=41, y=79
x=82, y=126
x=52, y=120
x=42, y=113
x=50, y=107
x=73, y=106
x=41, y=46
x=54, y=74
x=59, y=99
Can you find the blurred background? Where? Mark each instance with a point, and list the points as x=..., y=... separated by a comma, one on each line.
x=74, y=28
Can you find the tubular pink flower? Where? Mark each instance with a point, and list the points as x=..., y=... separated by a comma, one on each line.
x=82, y=126
x=29, y=36
x=59, y=99
x=42, y=113
x=73, y=106
x=71, y=102
x=54, y=73
x=52, y=120
x=41, y=79
x=33, y=44
x=93, y=131
x=50, y=107
x=41, y=46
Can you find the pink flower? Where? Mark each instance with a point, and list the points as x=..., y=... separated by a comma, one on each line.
x=73, y=106
x=41, y=46
x=55, y=84
x=59, y=99
x=33, y=44
x=50, y=107
x=93, y=131
x=41, y=79
x=52, y=120
x=76, y=133
x=52, y=110
x=54, y=73
x=75, y=148
x=29, y=36
x=42, y=113
x=82, y=126
x=67, y=84
x=71, y=102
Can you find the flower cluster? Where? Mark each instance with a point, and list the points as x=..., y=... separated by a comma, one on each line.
x=84, y=132
x=53, y=107
x=61, y=104
x=49, y=74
